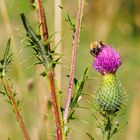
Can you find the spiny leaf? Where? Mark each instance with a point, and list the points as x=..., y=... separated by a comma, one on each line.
x=95, y=117
x=56, y=62
x=61, y=7
x=79, y=89
x=50, y=39
x=71, y=117
x=76, y=82
x=14, y=94
x=6, y=59
x=62, y=110
x=7, y=50
x=118, y=128
x=72, y=23
x=38, y=63
x=36, y=41
x=29, y=30
x=34, y=4
x=90, y=136
x=2, y=61
x=58, y=59
x=43, y=74
x=6, y=92
x=115, y=130
x=3, y=93
x=79, y=84
x=39, y=59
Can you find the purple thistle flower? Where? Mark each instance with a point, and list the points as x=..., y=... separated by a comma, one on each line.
x=107, y=60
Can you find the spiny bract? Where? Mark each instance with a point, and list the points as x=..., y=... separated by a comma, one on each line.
x=110, y=96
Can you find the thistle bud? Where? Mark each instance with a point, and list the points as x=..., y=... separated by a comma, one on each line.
x=110, y=96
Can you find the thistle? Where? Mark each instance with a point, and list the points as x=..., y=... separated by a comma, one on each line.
x=107, y=60
x=110, y=96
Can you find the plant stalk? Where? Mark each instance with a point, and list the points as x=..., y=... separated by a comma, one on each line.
x=107, y=135
x=108, y=128
x=43, y=21
x=74, y=60
x=16, y=110
x=56, y=106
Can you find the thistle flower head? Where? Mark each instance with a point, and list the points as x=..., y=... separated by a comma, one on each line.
x=110, y=95
x=107, y=60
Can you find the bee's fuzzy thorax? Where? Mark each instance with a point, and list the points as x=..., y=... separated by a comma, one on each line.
x=107, y=61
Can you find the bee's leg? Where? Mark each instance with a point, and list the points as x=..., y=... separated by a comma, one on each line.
x=92, y=53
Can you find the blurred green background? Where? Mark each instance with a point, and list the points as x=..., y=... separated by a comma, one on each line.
x=114, y=22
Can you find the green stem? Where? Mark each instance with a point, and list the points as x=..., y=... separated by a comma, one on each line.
x=108, y=127
x=107, y=135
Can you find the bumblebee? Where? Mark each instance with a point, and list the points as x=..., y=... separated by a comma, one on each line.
x=95, y=47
